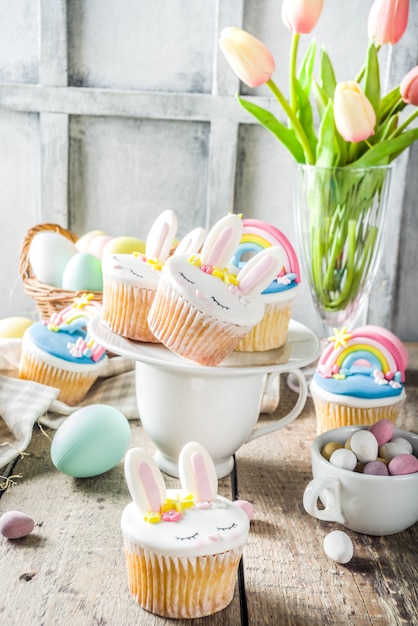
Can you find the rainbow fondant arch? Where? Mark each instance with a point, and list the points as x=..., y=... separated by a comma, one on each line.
x=258, y=235
x=378, y=347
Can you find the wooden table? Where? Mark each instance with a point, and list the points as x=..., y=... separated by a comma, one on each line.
x=71, y=569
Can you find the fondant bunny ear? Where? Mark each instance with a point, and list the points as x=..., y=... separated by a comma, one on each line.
x=222, y=241
x=161, y=235
x=197, y=472
x=258, y=273
x=145, y=482
x=192, y=242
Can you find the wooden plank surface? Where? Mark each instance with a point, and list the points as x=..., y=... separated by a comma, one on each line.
x=71, y=569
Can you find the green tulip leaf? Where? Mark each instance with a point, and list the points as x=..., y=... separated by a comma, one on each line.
x=387, y=150
x=306, y=68
x=305, y=116
x=327, y=74
x=372, y=80
x=327, y=152
x=284, y=134
x=320, y=97
x=391, y=103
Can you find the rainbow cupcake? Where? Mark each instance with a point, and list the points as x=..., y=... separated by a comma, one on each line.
x=279, y=296
x=359, y=378
x=60, y=353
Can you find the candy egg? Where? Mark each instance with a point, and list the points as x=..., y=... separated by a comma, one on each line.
x=83, y=272
x=391, y=449
x=364, y=445
x=403, y=442
x=376, y=468
x=14, y=525
x=344, y=458
x=91, y=441
x=329, y=448
x=83, y=242
x=383, y=431
x=338, y=546
x=124, y=245
x=403, y=464
x=14, y=327
x=49, y=253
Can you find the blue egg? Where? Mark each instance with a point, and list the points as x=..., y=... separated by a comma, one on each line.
x=91, y=441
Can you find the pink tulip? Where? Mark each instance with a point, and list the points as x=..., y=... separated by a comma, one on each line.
x=300, y=16
x=388, y=20
x=250, y=59
x=409, y=87
x=353, y=113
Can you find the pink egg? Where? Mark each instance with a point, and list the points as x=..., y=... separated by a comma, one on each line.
x=376, y=468
x=403, y=464
x=383, y=431
x=97, y=245
x=14, y=525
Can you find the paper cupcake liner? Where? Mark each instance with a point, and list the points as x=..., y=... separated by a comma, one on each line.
x=180, y=587
x=125, y=310
x=187, y=331
x=271, y=332
x=331, y=415
x=73, y=385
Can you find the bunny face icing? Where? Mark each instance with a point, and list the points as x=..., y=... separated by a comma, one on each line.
x=192, y=521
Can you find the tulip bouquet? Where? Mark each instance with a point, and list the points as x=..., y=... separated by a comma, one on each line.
x=344, y=157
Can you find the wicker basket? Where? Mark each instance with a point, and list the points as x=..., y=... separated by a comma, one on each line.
x=48, y=299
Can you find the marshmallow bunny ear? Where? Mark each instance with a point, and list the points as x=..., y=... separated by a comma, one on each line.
x=161, y=235
x=258, y=273
x=145, y=482
x=197, y=472
x=192, y=242
x=222, y=241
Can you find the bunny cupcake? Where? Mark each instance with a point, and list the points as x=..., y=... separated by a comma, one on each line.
x=182, y=546
x=203, y=308
x=130, y=280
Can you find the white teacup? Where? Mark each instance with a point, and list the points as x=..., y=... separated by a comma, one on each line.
x=372, y=505
x=217, y=407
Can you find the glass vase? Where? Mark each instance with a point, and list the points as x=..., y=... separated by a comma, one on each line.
x=340, y=216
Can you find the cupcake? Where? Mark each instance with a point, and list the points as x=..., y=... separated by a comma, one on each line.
x=359, y=378
x=60, y=353
x=279, y=296
x=203, y=308
x=130, y=280
x=182, y=546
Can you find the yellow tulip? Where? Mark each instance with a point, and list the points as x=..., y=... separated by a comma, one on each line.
x=250, y=59
x=353, y=113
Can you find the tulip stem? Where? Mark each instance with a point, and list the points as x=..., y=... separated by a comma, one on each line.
x=294, y=121
x=406, y=123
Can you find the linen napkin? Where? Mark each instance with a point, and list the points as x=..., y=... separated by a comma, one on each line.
x=22, y=402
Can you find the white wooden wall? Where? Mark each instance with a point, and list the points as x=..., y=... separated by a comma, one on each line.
x=113, y=110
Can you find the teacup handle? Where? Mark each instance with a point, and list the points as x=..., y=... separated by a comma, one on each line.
x=286, y=419
x=332, y=512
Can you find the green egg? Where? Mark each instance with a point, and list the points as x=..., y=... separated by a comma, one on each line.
x=91, y=441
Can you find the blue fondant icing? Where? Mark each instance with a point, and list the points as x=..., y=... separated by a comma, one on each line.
x=56, y=342
x=359, y=384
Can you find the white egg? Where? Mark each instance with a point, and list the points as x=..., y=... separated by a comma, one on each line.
x=343, y=458
x=49, y=253
x=338, y=546
x=364, y=445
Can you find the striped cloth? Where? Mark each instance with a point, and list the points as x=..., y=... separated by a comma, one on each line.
x=22, y=402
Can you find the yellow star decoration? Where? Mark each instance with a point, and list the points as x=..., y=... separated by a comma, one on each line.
x=82, y=301
x=340, y=337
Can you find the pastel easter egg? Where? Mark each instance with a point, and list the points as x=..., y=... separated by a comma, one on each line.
x=97, y=245
x=383, y=431
x=338, y=546
x=364, y=445
x=84, y=241
x=14, y=525
x=14, y=327
x=376, y=468
x=346, y=459
x=83, y=273
x=402, y=464
x=91, y=441
x=49, y=254
x=391, y=449
x=124, y=245
x=403, y=442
